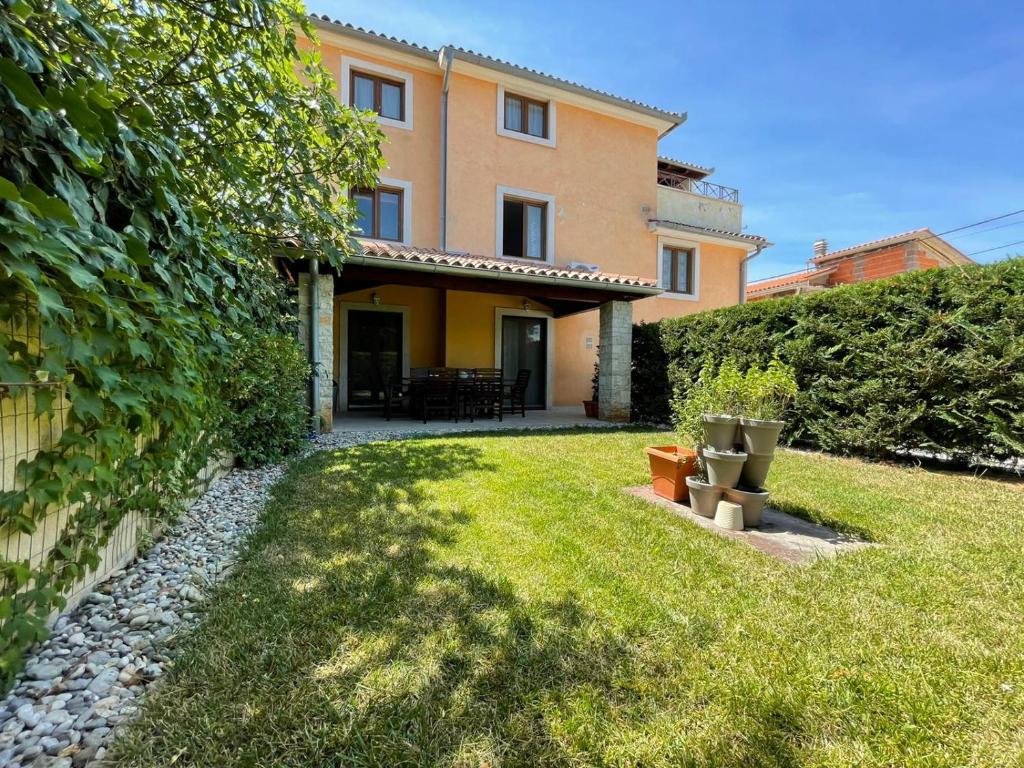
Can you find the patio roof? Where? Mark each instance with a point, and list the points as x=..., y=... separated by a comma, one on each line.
x=566, y=291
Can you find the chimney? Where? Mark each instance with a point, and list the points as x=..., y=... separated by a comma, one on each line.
x=820, y=248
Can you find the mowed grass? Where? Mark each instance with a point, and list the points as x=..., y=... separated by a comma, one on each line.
x=498, y=601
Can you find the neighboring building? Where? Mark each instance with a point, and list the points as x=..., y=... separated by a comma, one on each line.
x=906, y=252
x=521, y=222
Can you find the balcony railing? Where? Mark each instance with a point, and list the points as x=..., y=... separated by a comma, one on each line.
x=698, y=186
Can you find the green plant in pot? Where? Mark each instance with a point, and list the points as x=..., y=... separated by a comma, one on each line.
x=723, y=405
x=767, y=393
x=688, y=414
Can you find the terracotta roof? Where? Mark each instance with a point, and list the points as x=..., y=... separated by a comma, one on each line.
x=782, y=281
x=494, y=63
x=437, y=258
x=740, y=236
x=902, y=237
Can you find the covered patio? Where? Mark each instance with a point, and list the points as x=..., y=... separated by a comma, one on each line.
x=395, y=310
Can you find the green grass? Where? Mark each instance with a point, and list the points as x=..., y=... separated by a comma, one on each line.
x=497, y=600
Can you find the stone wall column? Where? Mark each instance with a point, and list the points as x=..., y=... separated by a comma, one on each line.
x=324, y=336
x=616, y=357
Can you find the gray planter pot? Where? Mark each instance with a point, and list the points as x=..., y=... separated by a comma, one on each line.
x=720, y=431
x=723, y=467
x=704, y=497
x=755, y=469
x=752, y=502
x=760, y=436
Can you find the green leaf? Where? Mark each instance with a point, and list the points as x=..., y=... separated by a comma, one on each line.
x=21, y=85
x=49, y=206
x=8, y=190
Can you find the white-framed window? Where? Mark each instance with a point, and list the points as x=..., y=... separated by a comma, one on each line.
x=384, y=213
x=679, y=269
x=525, y=116
x=380, y=89
x=525, y=225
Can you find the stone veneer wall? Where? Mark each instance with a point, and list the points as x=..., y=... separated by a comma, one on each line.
x=616, y=357
x=325, y=342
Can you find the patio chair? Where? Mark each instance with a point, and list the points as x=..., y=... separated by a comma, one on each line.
x=486, y=394
x=437, y=394
x=517, y=391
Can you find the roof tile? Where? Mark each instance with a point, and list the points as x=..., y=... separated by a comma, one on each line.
x=485, y=264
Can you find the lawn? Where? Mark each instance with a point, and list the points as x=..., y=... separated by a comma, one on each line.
x=498, y=601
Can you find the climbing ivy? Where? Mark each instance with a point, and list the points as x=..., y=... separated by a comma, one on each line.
x=151, y=156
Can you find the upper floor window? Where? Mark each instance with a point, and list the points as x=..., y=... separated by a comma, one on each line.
x=380, y=213
x=378, y=94
x=524, y=115
x=383, y=90
x=524, y=225
x=677, y=273
x=527, y=118
x=523, y=228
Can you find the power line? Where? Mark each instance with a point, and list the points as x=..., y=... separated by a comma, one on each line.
x=997, y=248
x=978, y=223
x=990, y=229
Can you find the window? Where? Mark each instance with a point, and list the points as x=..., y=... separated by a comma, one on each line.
x=524, y=228
x=379, y=213
x=525, y=115
x=378, y=94
x=677, y=270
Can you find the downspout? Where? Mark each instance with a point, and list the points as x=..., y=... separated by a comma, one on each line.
x=314, y=346
x=743, y=273
x=444, y=61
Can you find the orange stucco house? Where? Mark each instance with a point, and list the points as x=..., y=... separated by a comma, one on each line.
x=521, y=222
x=874, y=260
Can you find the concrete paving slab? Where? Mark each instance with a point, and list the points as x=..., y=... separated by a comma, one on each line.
x=788, y=538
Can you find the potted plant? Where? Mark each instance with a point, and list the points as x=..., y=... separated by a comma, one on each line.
x=724, y=403
x=688, y=415
x=590, y=406
x=767, y=393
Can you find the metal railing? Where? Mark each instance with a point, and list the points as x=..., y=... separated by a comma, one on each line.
x=698, y=186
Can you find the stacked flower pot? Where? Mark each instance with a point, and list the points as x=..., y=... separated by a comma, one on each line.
x=737, y=455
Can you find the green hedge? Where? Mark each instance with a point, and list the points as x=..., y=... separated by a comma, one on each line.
x=930, y=361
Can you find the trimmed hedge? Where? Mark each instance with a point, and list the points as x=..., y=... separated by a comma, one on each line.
x=930, y=361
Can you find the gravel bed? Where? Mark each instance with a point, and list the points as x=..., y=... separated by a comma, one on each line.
x=100, y=658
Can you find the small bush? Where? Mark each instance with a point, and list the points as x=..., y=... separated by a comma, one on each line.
x=267, y=415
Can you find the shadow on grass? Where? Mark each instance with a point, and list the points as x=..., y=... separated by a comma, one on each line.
x=815, y=516
x=353, y=636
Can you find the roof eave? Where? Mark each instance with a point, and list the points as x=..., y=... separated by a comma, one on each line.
x=752, y=241
x=512, y=277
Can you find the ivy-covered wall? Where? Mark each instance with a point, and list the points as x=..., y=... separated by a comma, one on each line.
x=152, y=156
x=930, y=361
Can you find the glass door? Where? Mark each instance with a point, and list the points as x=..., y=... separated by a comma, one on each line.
x=374, y=355
x=524, y=344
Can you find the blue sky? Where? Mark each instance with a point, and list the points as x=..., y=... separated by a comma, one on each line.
x=849, y=121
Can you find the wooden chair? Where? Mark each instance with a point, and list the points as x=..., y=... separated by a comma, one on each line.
x=437, y=394
x=486, y=394
x=517, y=391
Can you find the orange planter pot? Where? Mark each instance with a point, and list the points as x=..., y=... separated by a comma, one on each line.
x=670, y=466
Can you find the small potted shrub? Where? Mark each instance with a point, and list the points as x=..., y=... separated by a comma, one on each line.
x=590, y=406
x=724, y=402
x=767, y=393
x=688, y=415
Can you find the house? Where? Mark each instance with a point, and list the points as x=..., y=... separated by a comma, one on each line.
x=905, y=252
x=522, y=221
